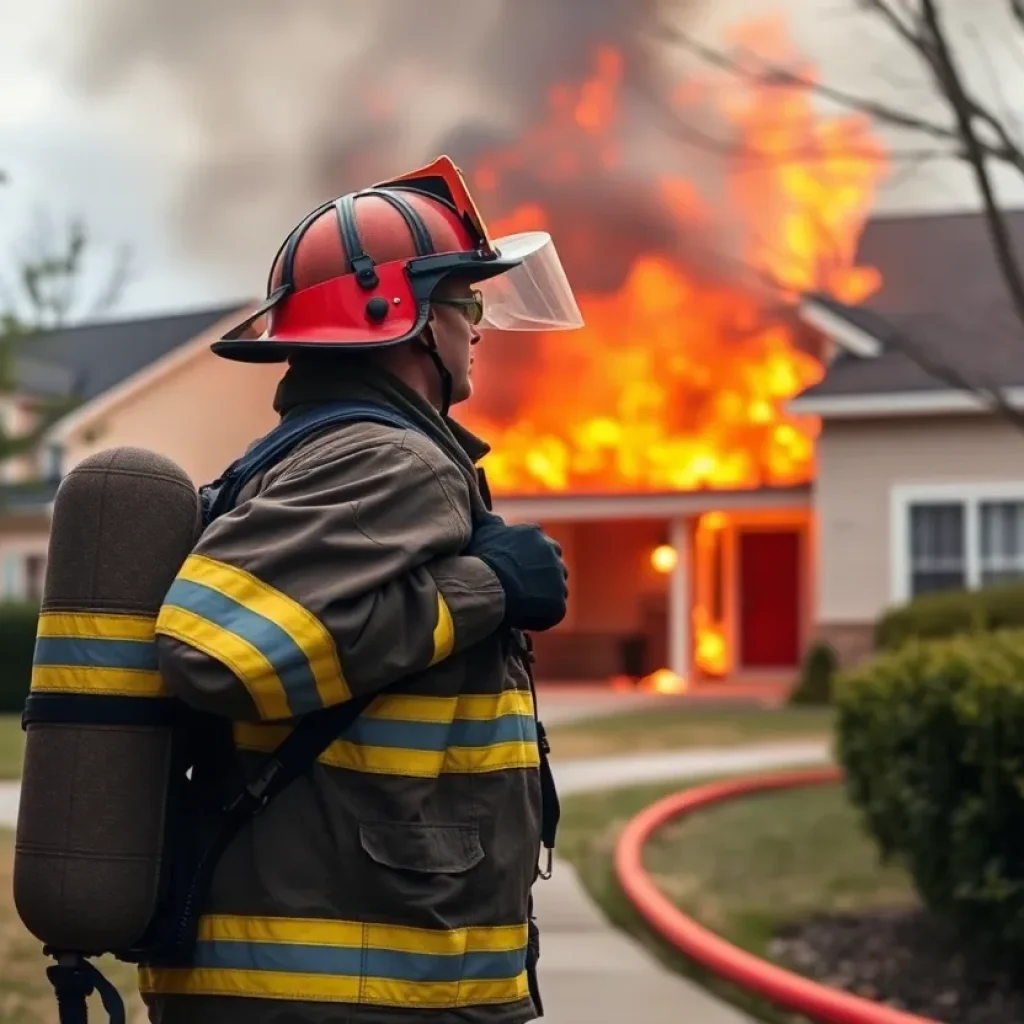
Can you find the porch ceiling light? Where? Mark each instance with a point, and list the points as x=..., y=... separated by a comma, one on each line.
x=664, y=558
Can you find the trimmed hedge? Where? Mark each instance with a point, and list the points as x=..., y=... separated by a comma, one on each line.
x=18, y=623
x=932, y=740
x=817, y=676
x=952, y=613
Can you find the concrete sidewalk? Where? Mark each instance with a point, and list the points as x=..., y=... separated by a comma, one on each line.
x=591, y=973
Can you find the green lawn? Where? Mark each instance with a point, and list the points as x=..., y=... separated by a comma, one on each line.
x=26, y=996
x=11, y=745
x=743, y=869
x=678, y=727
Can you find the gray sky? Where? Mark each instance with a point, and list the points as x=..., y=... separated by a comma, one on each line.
x=180, y=132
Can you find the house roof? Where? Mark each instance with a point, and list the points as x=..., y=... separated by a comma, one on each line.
x=88, y=360
x=942, y=300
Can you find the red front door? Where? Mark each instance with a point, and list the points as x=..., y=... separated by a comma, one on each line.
x=769, y=597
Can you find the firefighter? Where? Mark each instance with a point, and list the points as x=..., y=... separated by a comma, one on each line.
x=393, y=881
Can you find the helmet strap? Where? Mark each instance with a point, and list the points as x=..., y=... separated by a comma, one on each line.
x=426, y=339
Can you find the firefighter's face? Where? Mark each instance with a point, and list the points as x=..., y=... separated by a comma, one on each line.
x=453, y=310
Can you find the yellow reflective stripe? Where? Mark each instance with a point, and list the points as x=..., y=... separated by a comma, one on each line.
x=326, y=932
x=111, y=682
x=444, y=632
x=345, y=961
x=212, y=981
x=98, y=625
x=420, y=763
x=96, y=652
x=355, y=757
x=245, y=661
x=425, y=764
x=441, y=994
x=471, y=760
x=486, y=707
x=329, y=988
x=400, y=761
x=412, y=708
x=304, y=628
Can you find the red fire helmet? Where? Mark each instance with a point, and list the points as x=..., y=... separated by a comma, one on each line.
x=359, y=271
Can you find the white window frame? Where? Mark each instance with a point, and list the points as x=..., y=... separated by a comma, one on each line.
x=20, y=550
x=51, y=460
x=971, y=495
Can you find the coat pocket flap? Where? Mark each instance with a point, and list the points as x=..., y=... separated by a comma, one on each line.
x=429, y=849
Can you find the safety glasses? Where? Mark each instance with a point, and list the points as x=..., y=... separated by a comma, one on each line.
x=472, y=308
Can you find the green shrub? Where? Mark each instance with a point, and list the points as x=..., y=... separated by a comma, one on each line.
x=952, y=613
x=932, y=741
x=817, y=675
x=18, y=622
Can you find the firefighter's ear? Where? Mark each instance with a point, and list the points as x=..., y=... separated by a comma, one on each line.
x=426, y=336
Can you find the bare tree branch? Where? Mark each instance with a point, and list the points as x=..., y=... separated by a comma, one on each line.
x=965, y=110
x=989, y=394
x=1003, y=148
x=47, y=281
x=977, y=135
x=774, y=75
x=689, y=134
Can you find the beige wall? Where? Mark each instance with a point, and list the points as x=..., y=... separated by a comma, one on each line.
x=19, y=416
x=23, y=548
x=859, y=463
x=203, y=414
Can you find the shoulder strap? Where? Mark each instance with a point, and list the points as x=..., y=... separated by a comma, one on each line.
x=221, y=495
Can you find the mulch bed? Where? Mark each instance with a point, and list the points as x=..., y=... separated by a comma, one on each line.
x=903, y=958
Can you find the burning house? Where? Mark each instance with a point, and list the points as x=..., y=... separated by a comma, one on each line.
x=655, y=443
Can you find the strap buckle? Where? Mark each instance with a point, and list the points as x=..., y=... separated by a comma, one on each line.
x=549, y=864
x=255, y=796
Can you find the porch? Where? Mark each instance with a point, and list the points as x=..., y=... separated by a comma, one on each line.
x=702, y=589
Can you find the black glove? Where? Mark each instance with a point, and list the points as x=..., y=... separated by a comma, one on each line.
x=529, y=566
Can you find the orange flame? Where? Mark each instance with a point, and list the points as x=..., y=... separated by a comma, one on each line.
x=680, y=378
x=711, y=650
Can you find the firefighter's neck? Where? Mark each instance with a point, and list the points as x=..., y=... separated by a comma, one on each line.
x=414, y=368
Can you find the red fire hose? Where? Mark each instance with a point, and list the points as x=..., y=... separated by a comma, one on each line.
x=778, y=986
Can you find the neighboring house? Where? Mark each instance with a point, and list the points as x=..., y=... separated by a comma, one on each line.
x=103, y=369
x=917, y=486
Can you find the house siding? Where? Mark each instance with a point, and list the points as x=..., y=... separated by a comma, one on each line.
x=859, y=464
x=203, y=415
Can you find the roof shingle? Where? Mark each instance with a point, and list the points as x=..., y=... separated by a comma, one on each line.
x=942, y=297
x=87, y=360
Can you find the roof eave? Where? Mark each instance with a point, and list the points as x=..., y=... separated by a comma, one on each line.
x=843, y=332
x=937, y=402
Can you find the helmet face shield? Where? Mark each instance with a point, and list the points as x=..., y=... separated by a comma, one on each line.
x=532, y=295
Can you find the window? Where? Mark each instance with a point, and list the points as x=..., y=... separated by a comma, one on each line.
x=35, y=573
x=938, y=553
x=952, y=537
x=1002, y=541
x=53, y=459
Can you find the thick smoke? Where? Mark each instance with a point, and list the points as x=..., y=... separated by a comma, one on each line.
x=266, y=108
